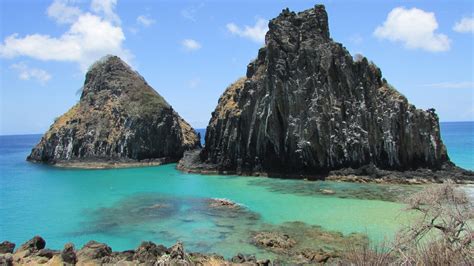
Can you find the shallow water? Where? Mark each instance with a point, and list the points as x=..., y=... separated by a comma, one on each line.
x=123, y=207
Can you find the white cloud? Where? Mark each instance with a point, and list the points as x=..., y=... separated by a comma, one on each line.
x=451, y=85
x=62, y=12
x=89, y=38
x=255, y=33
x=106, y=9
x=465, y=25
x=414, y=28
x=145, y=20
x=191, y=45
x=27, y=73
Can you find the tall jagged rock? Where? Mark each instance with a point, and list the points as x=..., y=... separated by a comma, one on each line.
x=119, y=120
x=306, y=106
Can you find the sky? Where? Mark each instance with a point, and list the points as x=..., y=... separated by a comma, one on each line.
x=190, y=51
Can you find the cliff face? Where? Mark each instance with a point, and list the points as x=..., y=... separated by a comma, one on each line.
x=306, y=106
x=119, y=118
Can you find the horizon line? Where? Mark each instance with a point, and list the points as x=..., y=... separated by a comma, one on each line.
x=26, y=134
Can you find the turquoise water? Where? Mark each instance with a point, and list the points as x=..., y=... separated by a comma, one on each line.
x=122, y=207
x=459, y=139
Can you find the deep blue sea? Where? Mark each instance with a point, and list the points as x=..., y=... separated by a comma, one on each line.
x=118, y=206
x=459, y=139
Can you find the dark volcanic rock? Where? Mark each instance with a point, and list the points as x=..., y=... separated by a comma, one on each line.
x=34, y=252
x=119, y=119
x=307, y=107
x=47, y=253
x=241, y=258
x=68, y=254
x=149, y=251
x=7, y=247
x=93, y=250
x=35, y=244
x=177, y=251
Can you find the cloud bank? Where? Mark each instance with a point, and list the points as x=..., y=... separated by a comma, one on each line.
x=90, y=36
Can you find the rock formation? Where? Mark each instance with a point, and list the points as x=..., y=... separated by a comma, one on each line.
x=119, y=120
x=307, y=107
x=95, y=253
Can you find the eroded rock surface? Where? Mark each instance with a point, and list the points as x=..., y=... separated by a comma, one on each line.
x=95, y=253
x=119, y=120
x=307, y=107
x=273, y=240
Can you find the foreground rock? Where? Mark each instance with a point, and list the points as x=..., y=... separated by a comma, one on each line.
x=306, y=107
x=7, y=247
x=34, y=252
x=119, y=121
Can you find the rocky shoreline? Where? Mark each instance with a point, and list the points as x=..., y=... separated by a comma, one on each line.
x=191, y=163
x=110, y=164
x=34, y=252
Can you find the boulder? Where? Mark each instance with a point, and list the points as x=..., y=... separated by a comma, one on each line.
x=93, y=250
x=6, y=259
x=177, y=251
x=68, y=254
x=33, y=245
x=149, y=252
x=7, y=247
x=247, y=259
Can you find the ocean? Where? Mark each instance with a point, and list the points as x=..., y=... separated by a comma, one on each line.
x=123, y=207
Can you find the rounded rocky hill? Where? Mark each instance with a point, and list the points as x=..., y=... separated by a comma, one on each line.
x=306, y=106
x=119, y=120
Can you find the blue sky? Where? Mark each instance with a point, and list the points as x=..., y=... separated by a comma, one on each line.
x=190, y=51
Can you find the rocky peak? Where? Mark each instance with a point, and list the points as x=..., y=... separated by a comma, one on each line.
x=112, y=76
x=119, y=119
x=292, y=30
x=306, y=107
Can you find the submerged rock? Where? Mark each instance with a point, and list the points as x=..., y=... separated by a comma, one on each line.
x=313, y=256
x=218, y=203
x=306, y=107
x=241, y=258
x=119, y=120
x=274, y=240
x=297, y=243
x=327, y=191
